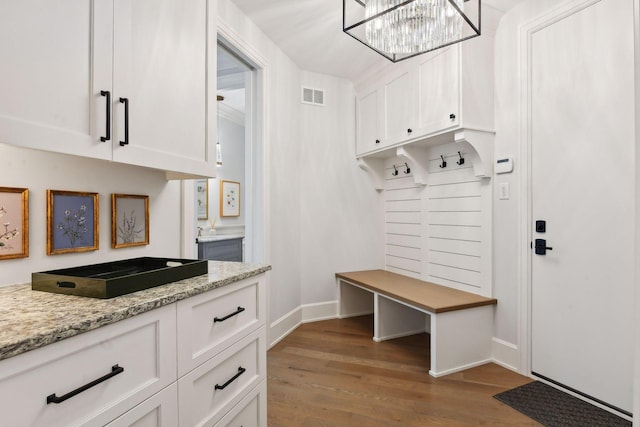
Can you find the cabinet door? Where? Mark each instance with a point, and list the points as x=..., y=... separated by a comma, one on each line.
x=369, y=135
x=161, y=57
x=399, y=108
x=159, y=410
x=438, y=89
x=56, y=59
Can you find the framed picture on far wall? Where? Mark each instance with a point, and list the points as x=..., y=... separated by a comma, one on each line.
x=202, y=199
x=129, y=220
x=229, y=198
x=14, y=223
x=72, y=221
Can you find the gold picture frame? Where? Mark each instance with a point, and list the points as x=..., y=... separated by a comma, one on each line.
x=129, y=220
x=202, y=199
x=229, y=198
x=72, y=221
x=14, y=231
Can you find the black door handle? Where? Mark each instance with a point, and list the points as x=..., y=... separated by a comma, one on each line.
x=541, y=247
x=108, y=125
x=115, y=370
x=125, y=101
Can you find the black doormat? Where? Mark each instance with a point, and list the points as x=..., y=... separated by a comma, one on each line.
x=552, y=407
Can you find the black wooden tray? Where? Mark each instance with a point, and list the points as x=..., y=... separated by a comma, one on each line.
x=116, y=278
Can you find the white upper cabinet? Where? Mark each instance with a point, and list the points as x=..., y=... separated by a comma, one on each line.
x=160, y=68
x=56, y=59
x=398, y=106
x=151, y=58
x=441, y=91
x=370, y=129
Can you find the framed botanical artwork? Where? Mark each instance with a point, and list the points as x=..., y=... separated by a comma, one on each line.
x=14, y=220
x=229, y=198
x=202, y=199
x=129, y=220
x=72, y=221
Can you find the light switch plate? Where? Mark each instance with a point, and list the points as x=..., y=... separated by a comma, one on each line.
x=504, y=191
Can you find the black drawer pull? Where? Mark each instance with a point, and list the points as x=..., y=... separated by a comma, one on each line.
x=241, y=371
x=235, y=313
x=108, y=125
x=125, y=101
x=115, y=370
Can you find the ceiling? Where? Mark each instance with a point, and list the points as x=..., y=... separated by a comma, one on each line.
x=310, y=33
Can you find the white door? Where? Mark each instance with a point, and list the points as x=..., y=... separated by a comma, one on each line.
x=582, y=147
x=163, y=56
x=55, y=60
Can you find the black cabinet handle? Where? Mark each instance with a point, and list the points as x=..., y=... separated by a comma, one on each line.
x=108, y=124
x=377, y=141
x=452, y=116
x=235, y=313
x=125, y=101
x=115, y=370
x=241, y=371
x=409, y=130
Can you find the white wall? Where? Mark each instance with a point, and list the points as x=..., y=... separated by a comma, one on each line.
x=282, y=161
x=341, y=212
x=39, y=171
x=324, y=213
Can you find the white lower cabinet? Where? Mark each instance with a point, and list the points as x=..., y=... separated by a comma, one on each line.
x=134, y=358
x=216, y=386
x=127, y=373
x=250, y=412
x=160, y=410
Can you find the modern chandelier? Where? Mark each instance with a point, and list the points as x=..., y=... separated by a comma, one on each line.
x=401, y=29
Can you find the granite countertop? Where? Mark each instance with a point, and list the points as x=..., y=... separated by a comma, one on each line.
x=31, y=319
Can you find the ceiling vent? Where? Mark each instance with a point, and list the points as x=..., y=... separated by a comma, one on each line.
x=312, y=96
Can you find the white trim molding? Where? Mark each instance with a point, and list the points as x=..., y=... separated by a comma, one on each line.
x=505, y=354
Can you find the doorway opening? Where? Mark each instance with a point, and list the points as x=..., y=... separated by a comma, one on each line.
x=228, y=209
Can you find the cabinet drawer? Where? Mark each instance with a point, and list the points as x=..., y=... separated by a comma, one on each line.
x=210, y=322
x=159, y=410
x=143, y=346
x=250, y=412
x=210, y=390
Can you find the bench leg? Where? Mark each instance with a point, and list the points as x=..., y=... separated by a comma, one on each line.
x=353, y=300
x=395, y=320
x=460, y=340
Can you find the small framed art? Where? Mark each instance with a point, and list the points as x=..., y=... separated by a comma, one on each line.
x=202, y=199
x=72, y=221
x=129, y=220
x=14, y=223
x=229, y=198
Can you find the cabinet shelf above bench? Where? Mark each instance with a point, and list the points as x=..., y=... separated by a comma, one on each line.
x=476, y=145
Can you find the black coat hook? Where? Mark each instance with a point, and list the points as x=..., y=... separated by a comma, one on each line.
x=461, y=161
x=408, y=171
x=395, y=171
x=444, y=162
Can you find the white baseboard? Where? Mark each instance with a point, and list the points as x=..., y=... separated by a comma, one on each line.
x=284, y=326
x=505, y=354
x=399, y=335
x=458, y=369
x=319, y=311
x=306, y=313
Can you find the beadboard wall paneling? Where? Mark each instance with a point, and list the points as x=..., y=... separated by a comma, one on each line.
x=442, y=232
x=403, y=222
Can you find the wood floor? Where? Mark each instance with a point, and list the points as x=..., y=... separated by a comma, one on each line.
x=331, y=373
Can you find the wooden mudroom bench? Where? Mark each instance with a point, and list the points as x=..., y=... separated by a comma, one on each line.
x=460, y=323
